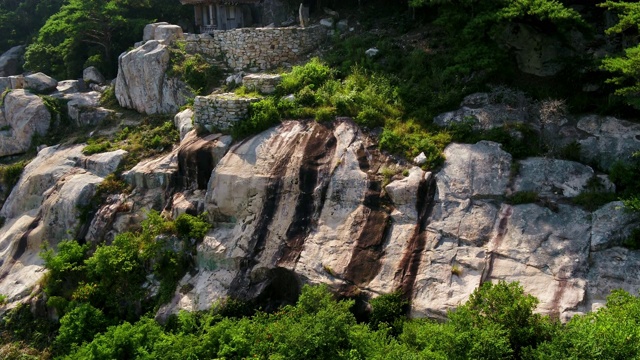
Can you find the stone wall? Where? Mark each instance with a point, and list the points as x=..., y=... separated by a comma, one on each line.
x=262, y=83
x=220, y=111
x=262, y=48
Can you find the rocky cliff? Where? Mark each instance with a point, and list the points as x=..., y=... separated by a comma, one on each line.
x=307, y=202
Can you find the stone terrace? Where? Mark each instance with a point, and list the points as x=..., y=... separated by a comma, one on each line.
x=220, y=111
x=262, y=48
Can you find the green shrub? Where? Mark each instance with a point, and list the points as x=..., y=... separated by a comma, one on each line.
x=96, y=146
x=200, y=75
x=108, y=98
x=306, y=96
x=11, y=174
x=192, y=227
x=314, y=73
x=633, y=241
x=571, y=151
x=593, y=200
x=388, y=309
x=262, y=115
x=325, y=114
x=78, y=326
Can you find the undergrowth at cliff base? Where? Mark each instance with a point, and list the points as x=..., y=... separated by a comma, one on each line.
x=497, y=322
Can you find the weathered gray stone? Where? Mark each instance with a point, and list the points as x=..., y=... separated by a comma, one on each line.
x=5, y=83
x=45, y=206
x=538, y=53
x=609, y=139
x=372, y=52
x=263, y=83
x=40, y=83
x=92, y=75
x=184, y=122
x=421, y=159
x=69, y=87
x=11, y=61
x=343, y=25
x=17, y=81
x=85, y=109
x=24, y=116
x=472, y=170
x=327, y=22
x=143, y=84
x=149, y=32
x=611, y=226
x=553, y=177
x=168, y=33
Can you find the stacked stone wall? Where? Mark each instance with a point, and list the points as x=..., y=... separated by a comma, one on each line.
x=220, y=111
x=262, y=48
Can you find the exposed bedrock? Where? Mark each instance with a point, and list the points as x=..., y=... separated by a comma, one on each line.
x=44, y=206
x=22, y=115
x=143, y=82
x=305, y=203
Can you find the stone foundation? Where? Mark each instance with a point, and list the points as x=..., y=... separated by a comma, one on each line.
x=262, y=48
x=262, y=83
x=220, y=111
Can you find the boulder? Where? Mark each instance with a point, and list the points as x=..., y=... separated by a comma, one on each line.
x=92, y=75
x=84, y=108
x=25, y=115
x=143, y=84
x=421, y=159
x=156, y=173
x=11, y=61
x=483, y=112
x=102, y=164
x=168, y=33
x=327, y=22
x=555, y=178
x=234, y=79
x=40, y=83
x=66, y=87
x=372, y=52
x=149, y=32
x=343, y=25
x=184, y=122
x=609, y=139
x=17, y=82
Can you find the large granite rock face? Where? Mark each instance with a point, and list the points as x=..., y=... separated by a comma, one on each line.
x=11, y=61
x=143, y=83
x=45, y=206
x=21, y=117
x=304, y=203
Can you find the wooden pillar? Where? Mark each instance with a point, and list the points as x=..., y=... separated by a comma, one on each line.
x=211, y=15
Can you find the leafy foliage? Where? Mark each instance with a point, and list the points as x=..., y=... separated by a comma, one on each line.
x=200, y=75
x=93, y=32
x=625, y=66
